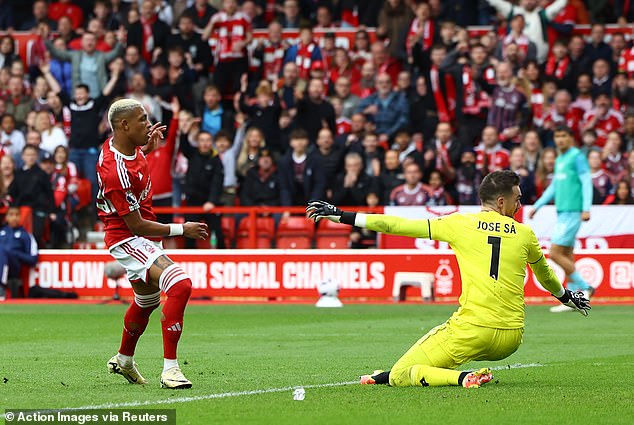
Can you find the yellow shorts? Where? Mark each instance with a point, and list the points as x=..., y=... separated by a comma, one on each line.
x=455, y=343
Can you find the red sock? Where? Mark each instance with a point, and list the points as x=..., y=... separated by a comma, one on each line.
x=136, y=319
x=173, y=311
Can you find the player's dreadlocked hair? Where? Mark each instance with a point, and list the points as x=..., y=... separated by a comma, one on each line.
x=498, y=183
x=120, y=108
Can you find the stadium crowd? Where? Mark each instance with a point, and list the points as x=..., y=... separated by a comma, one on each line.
x=415, y=112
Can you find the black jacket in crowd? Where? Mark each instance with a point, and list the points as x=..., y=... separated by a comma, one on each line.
x=310, y=116
x=32, y=188
x=355, y=195
x=205, y=175
x=84, y=122
x=314, y=180
x=265, y=119
x=257, y=192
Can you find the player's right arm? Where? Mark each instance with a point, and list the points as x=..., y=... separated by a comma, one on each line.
x=437, y=229
x=546, y=276
x=142, y=227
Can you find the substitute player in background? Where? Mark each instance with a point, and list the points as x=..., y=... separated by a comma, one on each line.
x=492, y=251
x=133, y=236
x=572, y=190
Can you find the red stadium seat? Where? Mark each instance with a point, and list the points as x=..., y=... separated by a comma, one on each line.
x=265, y=231
x=332, y=235
x=84, y=193
x=228, y=224
x=295, y=232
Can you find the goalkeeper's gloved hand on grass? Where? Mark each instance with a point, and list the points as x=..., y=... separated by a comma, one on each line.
x=576, y=301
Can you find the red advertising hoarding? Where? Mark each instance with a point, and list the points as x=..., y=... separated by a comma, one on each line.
x=296, y=273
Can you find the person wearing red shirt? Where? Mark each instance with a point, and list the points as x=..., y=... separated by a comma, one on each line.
x=66, y=8
x=230, y=31
x=133, y=237
x=603, y=119
x=490, y=155
x=383, y=62
x=562, y=113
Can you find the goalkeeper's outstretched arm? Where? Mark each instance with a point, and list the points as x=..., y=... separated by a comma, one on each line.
x=378, y=222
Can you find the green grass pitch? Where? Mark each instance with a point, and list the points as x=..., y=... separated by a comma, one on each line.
x=54, y=356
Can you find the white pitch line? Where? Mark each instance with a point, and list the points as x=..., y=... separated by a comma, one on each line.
x=239, y=393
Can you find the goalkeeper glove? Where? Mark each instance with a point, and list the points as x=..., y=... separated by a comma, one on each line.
x=576, y=301
x=317, y=210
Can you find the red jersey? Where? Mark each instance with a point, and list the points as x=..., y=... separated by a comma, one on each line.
x=344, y=126
x=124, y=187
x=73, y=12
x=490, y=160
x=568, y=16
x=613, y=121
x=228, y=30
x=161, y=163
x=572, y=120
x=626, y=62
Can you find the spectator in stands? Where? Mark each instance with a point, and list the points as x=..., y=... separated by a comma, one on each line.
x=231, y=31
x=203, y=183
x=228, y=150
x=33, y=138
x=301, y=178
x=388, y=109
x=517, y=164
x=622, y=194
x=149, y=34
x=360, y=53
x=323, y=16
x=532, y=149
x=261, y=186
x=438, y=196
x=372, y=154
x=18, y=104
x=423, y=33
x=422, y=111
x=61, y=70
x=214, y=115
x=200, y=13
x=89, y=65
x=192, y=44
x=440, y=84
x=264, y=113
x=291, y=18
x=353, y=184
x=134, y=64
x=622, y=94
x=267, y=58
x=39, y=15
x=628, y=173
x=12, y=140
x=253, y=142
x=331, y=157
x=601, y=79
x=404, y=85
x=412, y=192
x=52, y=136
x=314, y=112
x=342, y=92
x=391, y=175
x=628, y=133
x=60, y=113
x=583, y=99
x=7, y=51
x=18, y=248
x=558, y=65
x=304, y=53
x=533, y=16
x=366, y=85
x=601, y=180
x=561, y=113
x=526, y=49
x=31, y=187
x=597, y=48
x=603, y=119
x=468, y=179
x=65, y=31
x=102, y=10
x=66, y=8
x=343, y=124
x=7, y=174
x=383, y=62
x=545, y=170
x=614, y=162
x=509, y=109
x=393, y=18
x=442, y=153
x=490, y=155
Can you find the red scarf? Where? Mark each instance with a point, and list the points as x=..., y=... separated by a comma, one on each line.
x=442, y=154
x=474, y=99
x=428, y=34
x=557, y=69
x=304, y=58
x=446, y=109
x=148, y=38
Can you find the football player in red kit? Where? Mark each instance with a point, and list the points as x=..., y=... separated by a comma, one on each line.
x=133, y=237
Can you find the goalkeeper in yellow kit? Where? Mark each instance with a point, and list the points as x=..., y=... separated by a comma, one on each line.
x=492, y=250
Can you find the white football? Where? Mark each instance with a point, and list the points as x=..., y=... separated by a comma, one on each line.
x=328, y=288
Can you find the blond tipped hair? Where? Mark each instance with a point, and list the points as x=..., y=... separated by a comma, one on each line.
x=121, y=107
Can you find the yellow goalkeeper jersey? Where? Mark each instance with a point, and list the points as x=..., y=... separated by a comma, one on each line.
x=492, y=251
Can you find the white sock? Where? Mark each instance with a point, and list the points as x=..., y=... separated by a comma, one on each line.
x=125, y=360
x=169, y=363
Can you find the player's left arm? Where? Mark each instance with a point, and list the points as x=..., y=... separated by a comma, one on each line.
x=583, y=170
